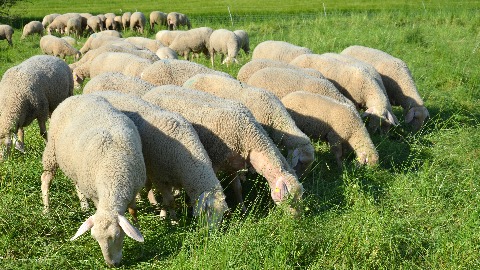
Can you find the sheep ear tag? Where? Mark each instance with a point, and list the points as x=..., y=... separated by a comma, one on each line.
x=87, y=225
x=129, y=229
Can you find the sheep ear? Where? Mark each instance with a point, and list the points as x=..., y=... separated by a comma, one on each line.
x=410, y=115
x=129, y=229
x=295, y=157
x=87, y=225
x=392, y=118
x=368, y=112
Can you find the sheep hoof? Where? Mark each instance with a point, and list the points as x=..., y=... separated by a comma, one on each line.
x=20, y=147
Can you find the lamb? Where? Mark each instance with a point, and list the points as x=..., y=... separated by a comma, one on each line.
x=253, y=66
x=48, y=19
x=137, y=22
x=6, y=32
x=398, y=82
x=126, y=20
x=119, y=82
x=282, y=81
x=33, y=27
x=243, y=40
x=175, y=19
x=278, y=50
x=105, y=163
x=356, y=81
x=95, y=24
x=174, y=156
x=125, y=63
x=158, y=17
x=194, y=40
x=267, y=110
x=225, y=42
x=56, y=46
x=172, y=71
x=339, y=124
x=166, y=53
x=31, y=90
x=166, y=36
x=147, y=43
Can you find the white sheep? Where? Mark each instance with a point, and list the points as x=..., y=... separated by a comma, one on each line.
x=6, y=32
x=126, y=20
x=98, y=40
x=268, y=110
x=31, y=90
x=356, y=81
x=113, y=33
x=243, y=40
x=110, y=20
x=137, y=22
x=231, y=136
x=176, y=19
x=48, y=19
x=119, y=82
x=398, y=82
x=226, y=43
x=70, y=40
x=166, y=36
x=117, y=25
x=173, y=71
x=195, y=40
x=60, y=22
x=253, y=66
x=104, y=162
x=166, y=53
x=33, y=27
x=74, y=24
x=95, y=24
x=56, y=46
x=158, y=17
x=278, y=50
x=324, y=118
x=147, y=43
x=174, y=156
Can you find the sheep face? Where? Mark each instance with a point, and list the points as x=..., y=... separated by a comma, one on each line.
x=211, y=204
x=416, y=117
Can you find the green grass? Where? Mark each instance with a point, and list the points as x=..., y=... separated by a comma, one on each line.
x=417, y=210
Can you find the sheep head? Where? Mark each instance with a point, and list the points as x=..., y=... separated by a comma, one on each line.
x=416, y=117
x=212, y=205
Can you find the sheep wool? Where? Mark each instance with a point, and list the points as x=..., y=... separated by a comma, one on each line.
x=278, y=50
x=243, y=40
x=137, y=22
x=56, y=46
x=119, y=82
x=6, y=32
x=158, y=17
x=166, y=36
x=194, y=41
x=166, y=53
x=104, y=162
x=125, y=63
x=255, y=65
x=150, y=44
x=126, y=20
x=33, y=27
x=226, y=43
x=176, y=19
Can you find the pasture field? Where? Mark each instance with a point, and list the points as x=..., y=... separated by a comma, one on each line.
x=419, y=209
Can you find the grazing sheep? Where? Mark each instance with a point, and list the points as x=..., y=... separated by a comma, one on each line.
x=56, y=46
x=172, y=71
x=119, y=82
x=268, y=110
x=194, y=40
x=6, y=32
x=125, y=63
x=60, y=22
x=278, y=50
x=104, y=162
x=398, y=82
x=158, y=17
x=166, y=53
x=282, y=81
x=137, y=22
x=174, y=157
x=33, y=27
x=109, y=21
x=167, y=37
x=354, y=80
x=31, y=90
x=97, y=41
x=243, y=40
x=253, y=66
x=48, y=19
x=175, y=19
x=126, y=20
x=117, y=23
x=75, y=25
x=231, y=136
x=95, y=24
x=147, y=43
x=339, y=124
x=225, y=42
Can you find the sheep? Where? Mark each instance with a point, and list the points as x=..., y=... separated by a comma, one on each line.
x=126, y=20
x=60, y=22
x=104, y=162
x=137, y=22
x=194, y=40
x=167, y=37
x=355, y=80
x=70, y=40
x=158, y=17
x=174, y=156
x=166, y=53
x=398, y=82
x=172, y=71
x=226, y=43
x=33, y=27
x=102, y=19
x=253, y=66
x=282, y=81
x=243, y=40
x=96, y=41
x=6, y=32
x=75, y=25
x=56, y=46
x=150, y=44
x=113, y=33
x=175, y=19
x=109, y=21
x=31, y=90
x=48, y=19
x=125, y=63
x=118, y=82
x=95, y=24
x=278, y=50
x=231, y=136
x=324, y=118
x=117, y=23
x=267, y=110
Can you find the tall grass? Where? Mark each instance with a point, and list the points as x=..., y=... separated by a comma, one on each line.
x=417, y=210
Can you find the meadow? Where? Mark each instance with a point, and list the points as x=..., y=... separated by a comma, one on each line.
x=419, y=209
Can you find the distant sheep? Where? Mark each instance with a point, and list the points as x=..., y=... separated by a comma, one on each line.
x=75, y=25
x=56, y=46
x=278, y=50
x=226, y=43
x=48, y=19
x=195, y=41
x=33, y=27
x=126, y=20
x=6, y=32
x=94, y=23
x=243, y=40
x=158, y=17
x=138, y=22
x=167, y=37
x=255, y=65
x=175, y=19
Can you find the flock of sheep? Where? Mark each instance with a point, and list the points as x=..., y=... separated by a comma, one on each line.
x=163, y=124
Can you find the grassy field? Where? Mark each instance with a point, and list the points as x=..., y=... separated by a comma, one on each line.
x=419, y=209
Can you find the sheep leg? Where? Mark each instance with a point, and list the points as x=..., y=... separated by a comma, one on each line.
x=43, y=128
x=168, y=202
x=6, y=151
x=47, y=177
x=83, y=200
x=237, y=190
x=19, y=145
x=336, y=148
x=132, y=209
